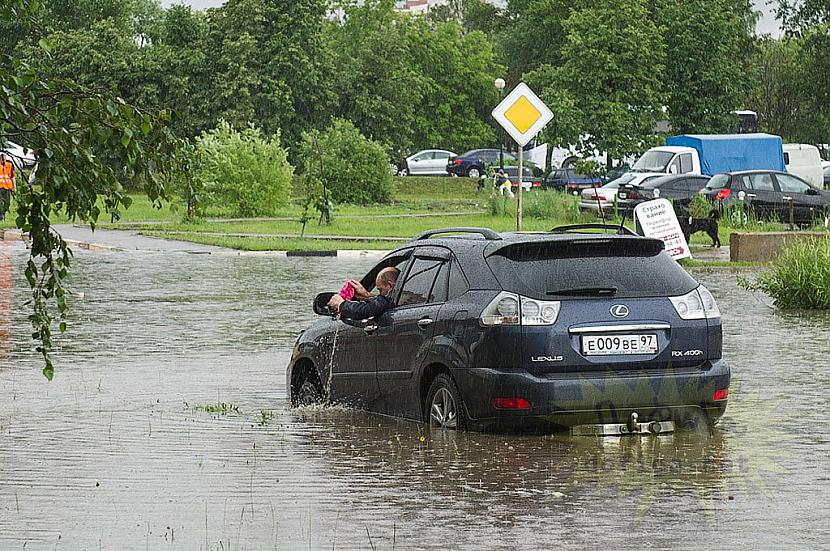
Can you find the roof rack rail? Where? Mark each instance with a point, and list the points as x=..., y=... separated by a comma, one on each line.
x=621, y=230
x=488, y=234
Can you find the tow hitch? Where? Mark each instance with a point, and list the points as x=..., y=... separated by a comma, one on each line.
x=631, y=428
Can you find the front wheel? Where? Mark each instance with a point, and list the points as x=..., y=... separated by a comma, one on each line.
x=310, y=393
x=445, y=408
x=473, y=173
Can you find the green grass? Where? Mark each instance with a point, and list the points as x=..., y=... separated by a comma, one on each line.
x=276, y=243
x=220, y=408
x=800, y=276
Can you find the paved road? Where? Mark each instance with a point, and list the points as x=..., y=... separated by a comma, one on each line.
x=131, y=240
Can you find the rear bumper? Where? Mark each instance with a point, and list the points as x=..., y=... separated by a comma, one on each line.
x=564, y=400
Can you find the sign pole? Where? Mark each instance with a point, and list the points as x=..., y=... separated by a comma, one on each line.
x=519, y=202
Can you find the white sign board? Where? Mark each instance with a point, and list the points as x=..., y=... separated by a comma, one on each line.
x=522, y=114
x=657, y=219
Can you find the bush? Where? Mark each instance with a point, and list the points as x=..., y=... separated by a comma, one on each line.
x=800, y=276
x=353, y=167
x=245, y=172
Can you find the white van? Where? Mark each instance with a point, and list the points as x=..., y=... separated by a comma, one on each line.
x=804, y=160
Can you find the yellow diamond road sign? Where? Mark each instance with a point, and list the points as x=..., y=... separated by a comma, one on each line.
x=522, y=114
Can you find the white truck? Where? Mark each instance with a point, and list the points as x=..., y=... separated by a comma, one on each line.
x=711, y=154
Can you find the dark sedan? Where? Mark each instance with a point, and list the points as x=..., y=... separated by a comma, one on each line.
x=569, y=180
x=569, y=328
x=680, y=189
x=474, y=163
x=768, y=194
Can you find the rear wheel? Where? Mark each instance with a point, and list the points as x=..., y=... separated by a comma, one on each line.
x=474, y=172
x=445, y=408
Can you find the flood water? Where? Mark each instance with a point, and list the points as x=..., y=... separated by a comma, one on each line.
x=118, y=451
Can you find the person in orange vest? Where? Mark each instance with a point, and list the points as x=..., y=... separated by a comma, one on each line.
x=7, y=184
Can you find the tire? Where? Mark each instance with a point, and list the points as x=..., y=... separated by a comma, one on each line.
x=474, y=172
x=739, y=217
x=309, y=393
x=444, y=407
x=403, y=172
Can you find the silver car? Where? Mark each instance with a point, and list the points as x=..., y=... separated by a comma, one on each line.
x=594, y=199
x=429, y=162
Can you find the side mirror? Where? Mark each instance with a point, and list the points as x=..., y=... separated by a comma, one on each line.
x=321, y=302
x=811, y=191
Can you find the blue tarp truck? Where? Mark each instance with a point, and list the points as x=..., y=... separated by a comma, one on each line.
x=710, y=154
x=732, y=152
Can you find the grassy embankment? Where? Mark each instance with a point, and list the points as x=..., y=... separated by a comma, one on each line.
x=418, y=204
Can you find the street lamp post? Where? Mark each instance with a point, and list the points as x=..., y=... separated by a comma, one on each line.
x=500, y=86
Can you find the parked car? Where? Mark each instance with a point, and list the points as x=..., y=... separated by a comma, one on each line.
x=502, y=331
x=594, y=199
x=767, y=193
x=20, y=156
x=679, y=188
x=529, y=180
x=429, y=162
x=825, y=167
x=474, y=163
x=567, y=179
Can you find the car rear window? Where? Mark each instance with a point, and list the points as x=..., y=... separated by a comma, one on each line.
x=588, y=268
x=718, y=181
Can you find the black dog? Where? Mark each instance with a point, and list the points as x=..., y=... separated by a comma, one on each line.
x=691, y=225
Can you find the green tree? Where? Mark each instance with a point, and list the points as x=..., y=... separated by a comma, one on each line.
x=708, y=43
x=244, y=171
x=87, y=143
x=614, y=61
x=268, y=64
x=353, y=168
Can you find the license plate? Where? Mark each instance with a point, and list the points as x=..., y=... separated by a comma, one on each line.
x=605, y=345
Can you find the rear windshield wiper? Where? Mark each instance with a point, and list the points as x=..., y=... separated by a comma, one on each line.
x=586, y=292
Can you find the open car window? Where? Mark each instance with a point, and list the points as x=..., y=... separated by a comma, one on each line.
x=399, y=261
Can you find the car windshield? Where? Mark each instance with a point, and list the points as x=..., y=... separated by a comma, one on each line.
x=653, y=161
x=718, y=181
x=632, y=268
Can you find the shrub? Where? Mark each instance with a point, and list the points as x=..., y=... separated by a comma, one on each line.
x=353, y=167
x=245, y=171
x=800, y=276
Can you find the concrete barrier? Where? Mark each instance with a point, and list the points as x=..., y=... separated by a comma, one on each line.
x=764, y=247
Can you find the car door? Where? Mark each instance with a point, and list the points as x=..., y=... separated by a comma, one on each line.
x=351, y=351
x=807, y=202
x=404, y=333
x=761, y=193
x=438, y=166
x=419, y=164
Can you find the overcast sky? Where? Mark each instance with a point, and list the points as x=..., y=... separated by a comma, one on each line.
x=767, y=24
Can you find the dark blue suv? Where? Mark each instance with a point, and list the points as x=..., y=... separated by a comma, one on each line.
x=568, y=328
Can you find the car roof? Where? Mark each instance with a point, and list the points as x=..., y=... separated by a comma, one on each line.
x=739, y=172
x=472, y=249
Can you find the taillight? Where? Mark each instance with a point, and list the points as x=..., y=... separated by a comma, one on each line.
x=597, y=198
x=457, y=162
x=698, y=304
x=721, y=394
x=505, y=310
x=511, y=403
x=723, y=194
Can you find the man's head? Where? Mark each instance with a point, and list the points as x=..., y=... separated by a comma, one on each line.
x=386, y=280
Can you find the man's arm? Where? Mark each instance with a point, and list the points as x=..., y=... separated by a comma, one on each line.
x=365, y=309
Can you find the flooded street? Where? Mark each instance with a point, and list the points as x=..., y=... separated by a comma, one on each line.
x=167, y=427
